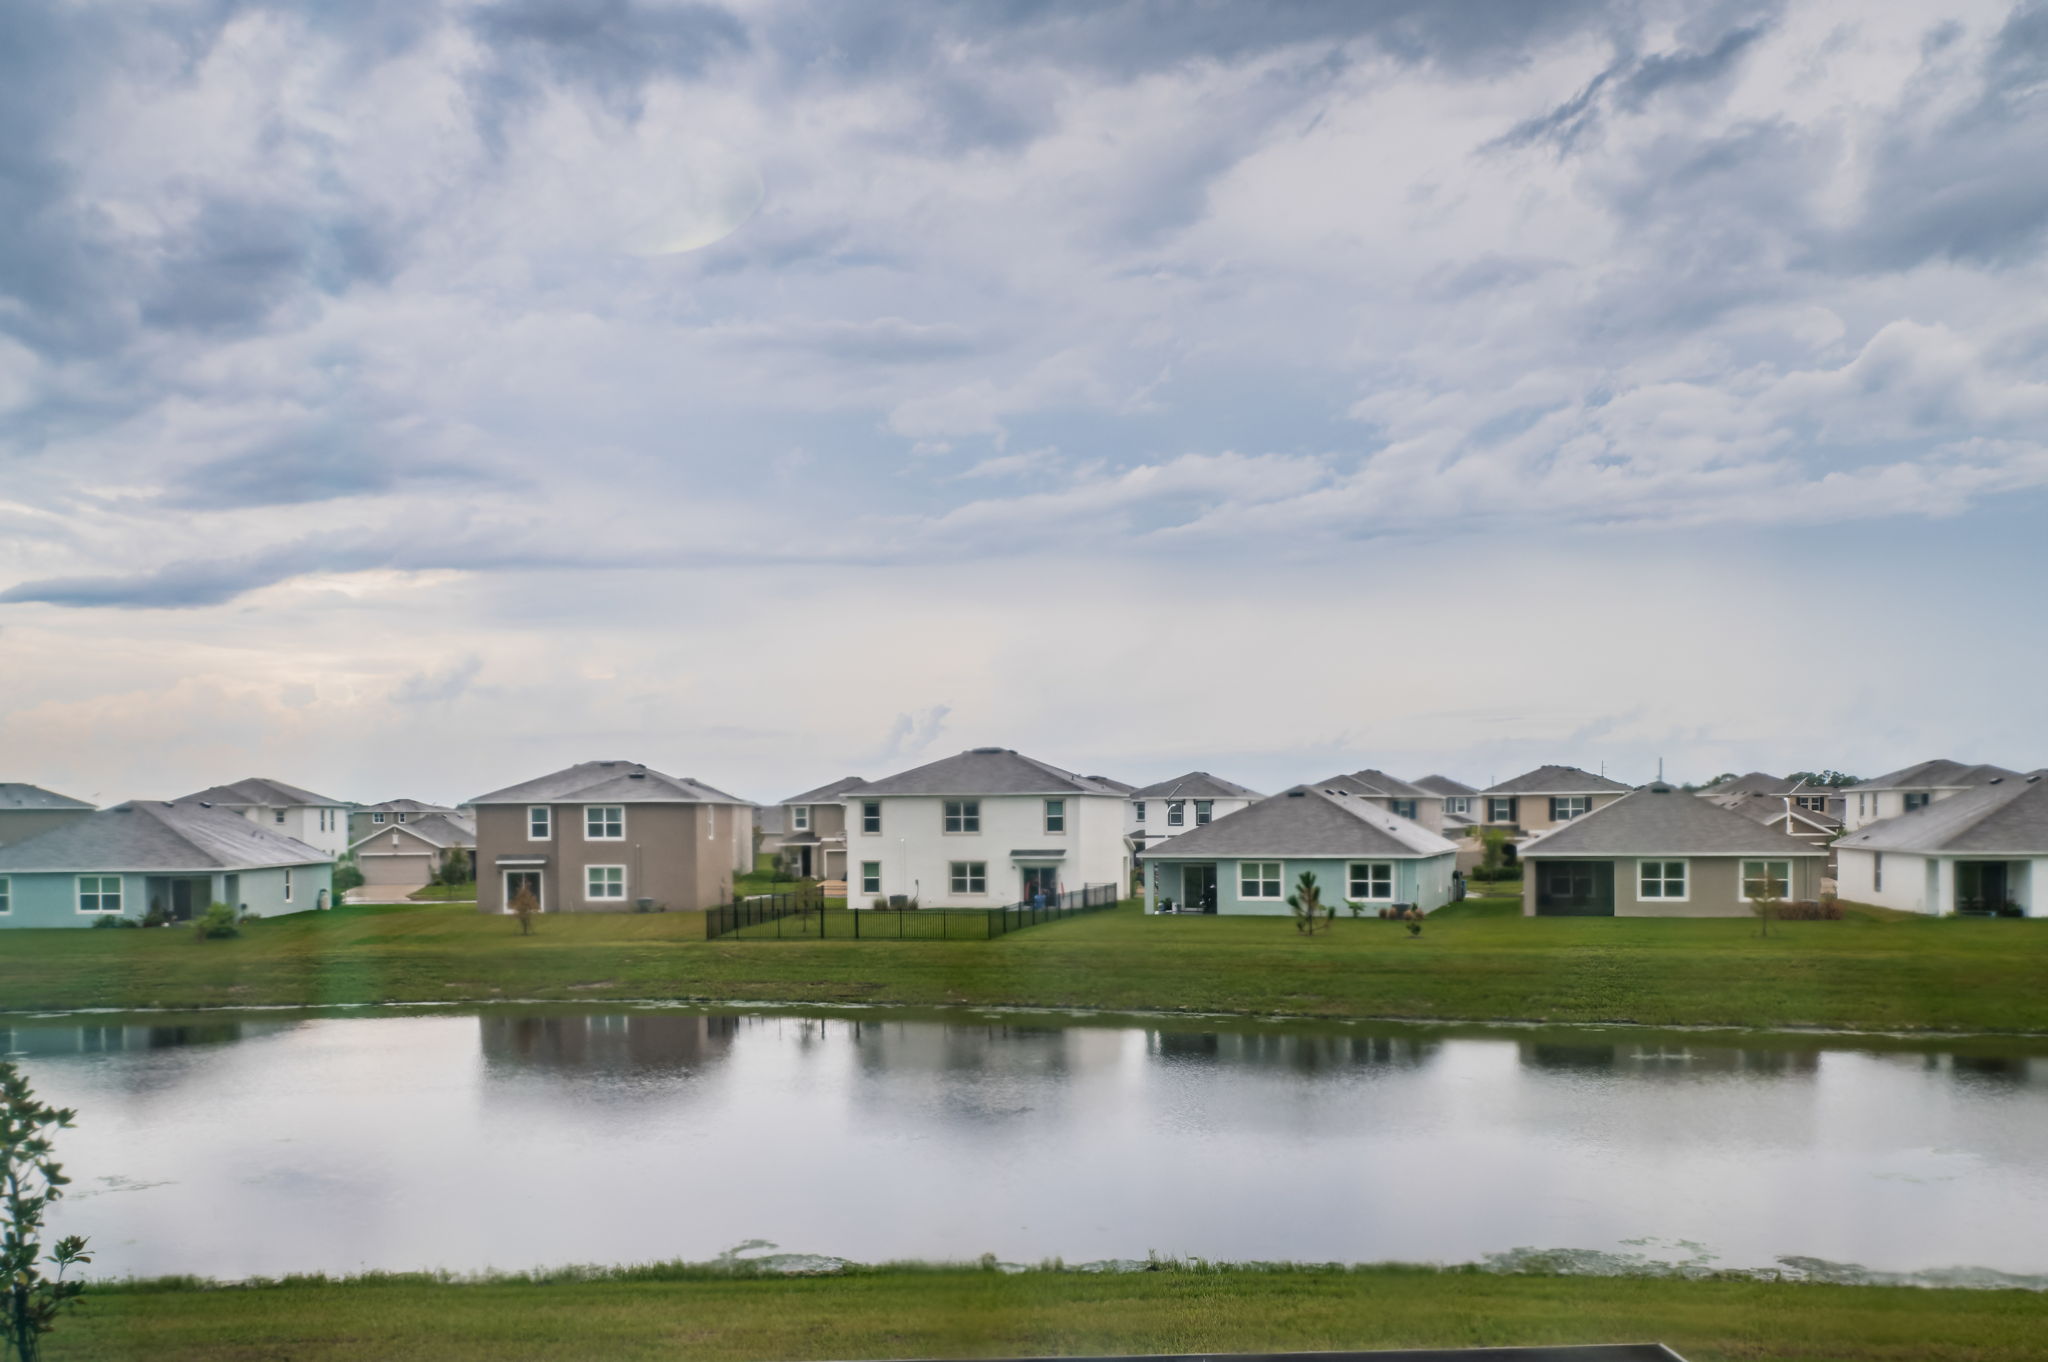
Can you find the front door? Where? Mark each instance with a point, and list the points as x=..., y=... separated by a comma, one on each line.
x=181, y=900
x=529, y=880
x=1041, y=879
x=1198, y=888
x=803, y=862
x=1574, y=888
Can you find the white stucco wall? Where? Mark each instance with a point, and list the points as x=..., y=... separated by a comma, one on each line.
x=1881, y=804
x=916, y=853
x=1155, y=826
x=303, y=823
x=1924, y=884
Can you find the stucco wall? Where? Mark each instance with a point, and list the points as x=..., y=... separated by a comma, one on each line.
x=1713, y=884
x=916, y=852
x=1425, y=881
x=50, y=899
x=1155, y=826
x=1919, y=884
x=679, y=855
x=1532, y=813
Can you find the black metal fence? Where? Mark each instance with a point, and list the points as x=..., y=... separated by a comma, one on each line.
x=791, y=917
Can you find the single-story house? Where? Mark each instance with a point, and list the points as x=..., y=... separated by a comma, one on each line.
x=1251, y=860
x=405, y=857
x=27, y=810
x=1658, y=852
x=1981, y=850
x=148, y=857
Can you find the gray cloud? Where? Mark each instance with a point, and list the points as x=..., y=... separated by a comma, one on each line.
x=437, y=687
x=320, y=464
x=885, y=340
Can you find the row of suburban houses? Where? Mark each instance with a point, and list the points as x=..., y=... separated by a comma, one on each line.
x=992, y=826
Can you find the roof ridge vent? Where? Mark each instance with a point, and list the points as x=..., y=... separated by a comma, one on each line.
x=986, y=751
x=1297, y=794
x=2034, y=777
x=641, y=775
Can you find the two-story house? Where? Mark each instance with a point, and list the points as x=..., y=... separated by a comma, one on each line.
x=1978, y=850
x=1914, y=787
x=814, y=829
x=1545, y=798
x=602, y=836
x=1401, y=798
x=26, y=810
x=398, y=858
x=316, y=820
x=366, y=819
x=1461, y=801
x=1167, y=808
x=985, y=828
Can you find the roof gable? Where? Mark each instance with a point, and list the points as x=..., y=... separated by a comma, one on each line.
x=1445, y=786
x=155, y=836
x=2006, y=815
x=987, y=771
x=1557, y=780
x=1660, y=820
x=1306, y=821
x=1938, y=774
x=18, y=795
x=261, y=791
x=826, y=794
x=1196, y=785
x=443, y=830
x=608, y=782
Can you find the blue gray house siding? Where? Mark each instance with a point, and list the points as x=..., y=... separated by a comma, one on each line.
x=50, y=898
x=1425, y=881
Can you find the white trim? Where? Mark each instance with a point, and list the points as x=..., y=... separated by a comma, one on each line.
x=963, y=816
x=953, y=877
x=540, y=885
x=1684, y=876
x=799, y=818
x=1351, y=869
x=549, y=811
x=589, y=809
x=78, y=895
x=6, y=895
x=1046, y=816
x=863, y=877
x=865, y=830
x=1742, y=876
x=1279, y=879
x=287, y=884
x=589, y=897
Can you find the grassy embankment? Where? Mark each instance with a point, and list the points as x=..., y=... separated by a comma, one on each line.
x=1476, y=961
x=962, y=1312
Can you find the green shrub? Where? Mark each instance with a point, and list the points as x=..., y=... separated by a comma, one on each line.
x=114, y=920
x=218, y=921
x=347, y=876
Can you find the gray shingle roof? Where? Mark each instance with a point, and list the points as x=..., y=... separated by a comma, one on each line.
x=15, y=795
x=1938, y=774
x=826, y=794
x=1546, y=780
x=2010, y=816
x=1769, y=808
x=403, y=806
x=153, y=836
x=1304, y=821
x=1119, y=786
x=1756, y=782
x=1445, y=786
x=260, y=790
x=986, y=771
x=1659, y=820
x=1196, y=785
x=443, y=830
x=608, y=782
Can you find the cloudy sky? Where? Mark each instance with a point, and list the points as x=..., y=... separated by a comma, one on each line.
x=402, y=399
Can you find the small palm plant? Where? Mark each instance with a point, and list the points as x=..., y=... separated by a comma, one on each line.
x=1307, y=903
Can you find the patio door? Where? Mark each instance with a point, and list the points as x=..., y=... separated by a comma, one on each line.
x=1041, y=879
x=1198, y=888
x=1982, y=886
x=1574, y=888
x=529, y=880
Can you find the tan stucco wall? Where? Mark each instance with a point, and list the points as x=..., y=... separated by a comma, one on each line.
x=679, y=855
x=1713, y=884
x=1533, y=811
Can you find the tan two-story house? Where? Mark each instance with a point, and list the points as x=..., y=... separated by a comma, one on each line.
x=610, y=837
x=1547, y=797
x=814, y=829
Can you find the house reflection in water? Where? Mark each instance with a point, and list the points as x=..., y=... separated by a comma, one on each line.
x=1290, y=1052
x=52, y=1041
x=993, y=1051
x=1655, y=1059
x=646, y=1042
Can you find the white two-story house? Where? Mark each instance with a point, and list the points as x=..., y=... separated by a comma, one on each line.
x=983, y=829
x=316, y=820
x=1915, y=787
x=1168, y=808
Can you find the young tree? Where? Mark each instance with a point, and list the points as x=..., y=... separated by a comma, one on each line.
x=30, y=1179
x=1765, y=906
x=1307, y=903
x=525, y=907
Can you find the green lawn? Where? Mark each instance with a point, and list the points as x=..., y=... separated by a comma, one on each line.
x=1479, y=961
x=968, y=1313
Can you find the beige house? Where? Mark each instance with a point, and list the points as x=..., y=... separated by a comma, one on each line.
x=814, y=829
x=610, y=837
x=1545, y=798
x=1377, y=789
x=400, y=858
x=1658, y=852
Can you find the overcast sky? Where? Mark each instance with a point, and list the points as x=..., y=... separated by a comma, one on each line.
x=403, y=400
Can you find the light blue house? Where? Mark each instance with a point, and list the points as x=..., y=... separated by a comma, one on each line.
x=1251, y=860
x=171, y=859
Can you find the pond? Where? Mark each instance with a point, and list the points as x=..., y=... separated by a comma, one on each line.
x=515, y=1139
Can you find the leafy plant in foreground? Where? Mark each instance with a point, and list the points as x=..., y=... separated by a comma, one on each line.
x=30, y=1179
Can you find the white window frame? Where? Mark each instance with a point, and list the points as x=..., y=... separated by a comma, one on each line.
x=1176, y=813
x=547, y=822
x=591, y=809
x=376, y=818
x=277, y=816
x=1507, y=806
x=6, y=895
x=1414, y=807
x=871, y=818
x=1876, y=869
x=1205, y=812
x=1373, y=871
x=1138, y=810
x=287, y=884
x=1574, y=806
x=1742, y=866
x=1663, y=880
x=401, y=818
x=800, y=817
x=590, y=886
x=1906, y=800
x=1252, y=883
x=100, y=895
x=870, y=884
x=1458, y=804
x=960, y=817
x=962, y=876
x=1055, y=817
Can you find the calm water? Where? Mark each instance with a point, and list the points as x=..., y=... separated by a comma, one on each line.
x=512, y=1141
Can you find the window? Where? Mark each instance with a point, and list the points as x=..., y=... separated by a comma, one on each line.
x=870, y=877
x=1917, y=800
x=6, y=896
x=1176, y=813
x=800, y=818
x=871, y=815
x=963, y=815
x=401, y=818
x=1139, y=809
x=1402, y=808
x=1876, y=867
x=604, y=823
x=287, y=884
x=1457, y=804
x=1816, y=803
x=540, y=823
x=1761, y=879
x=99, y=893
x=1564, y=808
x=970, y=877
x=278, y=817
x=1660, y=879
x=1204, y=809
x=376, y=818
x=1258, y=879
x=1372, y=880
x=1500, y=810
x=1055, y=815
x=604, y=881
